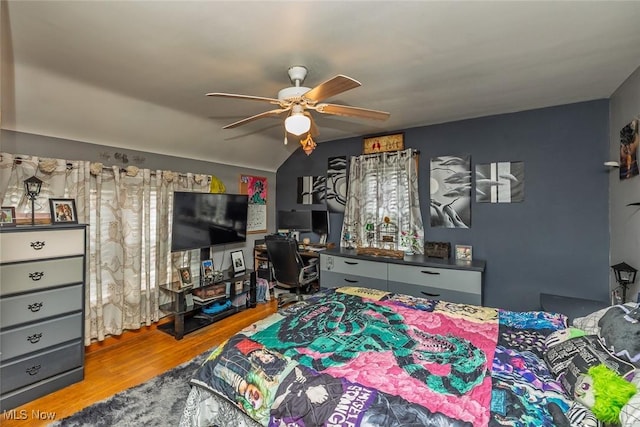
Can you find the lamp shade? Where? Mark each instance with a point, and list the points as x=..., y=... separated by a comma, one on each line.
x=297, y=123
x=32, y=186
x=625, y=274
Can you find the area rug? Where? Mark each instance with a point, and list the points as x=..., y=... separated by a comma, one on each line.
x=157, y=402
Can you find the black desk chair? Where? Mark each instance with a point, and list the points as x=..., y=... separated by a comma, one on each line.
x=288, y=269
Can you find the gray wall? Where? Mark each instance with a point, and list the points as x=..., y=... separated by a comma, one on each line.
x=43, y=146
x=625, y=220
x=556, y=241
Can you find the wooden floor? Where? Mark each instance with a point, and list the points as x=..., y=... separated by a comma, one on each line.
x=131, y=359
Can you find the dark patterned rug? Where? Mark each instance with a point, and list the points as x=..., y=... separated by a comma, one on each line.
x=157, y=402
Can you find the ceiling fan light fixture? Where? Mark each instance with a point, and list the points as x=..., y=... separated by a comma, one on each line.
x=297, y=123
x=308, y=144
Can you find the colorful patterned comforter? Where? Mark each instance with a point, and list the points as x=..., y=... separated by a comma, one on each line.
x=360, y=357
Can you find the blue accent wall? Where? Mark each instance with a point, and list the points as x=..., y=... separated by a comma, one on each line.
x=556, y=241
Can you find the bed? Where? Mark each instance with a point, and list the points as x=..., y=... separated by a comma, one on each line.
x=362, y=357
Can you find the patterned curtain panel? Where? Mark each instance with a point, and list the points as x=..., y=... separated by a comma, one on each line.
x=129, y=212
x=383, y=206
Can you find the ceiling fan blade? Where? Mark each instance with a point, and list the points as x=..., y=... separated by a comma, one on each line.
x=256, y=117
x=247, y=97
x=344, y=110
x=331, y=87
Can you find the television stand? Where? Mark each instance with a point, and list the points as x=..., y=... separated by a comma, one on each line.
x=190, y=315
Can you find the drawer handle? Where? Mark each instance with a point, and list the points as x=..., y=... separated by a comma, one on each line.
x=37, y=245
x=350, y=281
x=429, y=295
x=429, y=272
x=36, y=275
x=351, y=263
x=34, y=338
x=33, y=370
x=35, y=307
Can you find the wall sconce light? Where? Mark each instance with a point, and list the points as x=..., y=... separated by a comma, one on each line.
x=625, y=275
x=32, y=187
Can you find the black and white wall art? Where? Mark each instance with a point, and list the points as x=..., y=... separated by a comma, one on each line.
x=336, y=193
x=450, y=189
x=311, y=189
x=501, y=182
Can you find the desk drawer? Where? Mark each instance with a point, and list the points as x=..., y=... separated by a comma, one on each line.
x=39, y=305
x=30, y=338
x=43, y=365
x=330, y=279
x=32, y=245
x=353, y=267
x=435, y=293
x=439, y=278
x=31, y=276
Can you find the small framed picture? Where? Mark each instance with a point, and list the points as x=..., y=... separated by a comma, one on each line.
x=185, y=276
x=237, y=261
x=8, y=216
x=463, y=253
x=63, y=211
x=207, y=269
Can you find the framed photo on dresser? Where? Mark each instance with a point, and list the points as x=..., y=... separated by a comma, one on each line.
x=8, y=216
x=63, y=211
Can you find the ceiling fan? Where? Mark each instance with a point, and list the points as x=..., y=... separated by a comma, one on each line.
x=297, y=100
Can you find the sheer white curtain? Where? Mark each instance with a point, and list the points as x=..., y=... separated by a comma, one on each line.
x=383, y=189
x=129, y=217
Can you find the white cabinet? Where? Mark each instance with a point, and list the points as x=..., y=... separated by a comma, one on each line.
x=418, y=276
x=42, y=271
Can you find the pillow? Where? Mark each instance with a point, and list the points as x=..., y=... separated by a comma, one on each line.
x=603, y=391
x=591, y=350
x=589, y=323
x=562, y=335
x=630, y=413
x=621, y=333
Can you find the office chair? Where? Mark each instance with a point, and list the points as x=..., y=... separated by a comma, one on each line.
x=288, y=269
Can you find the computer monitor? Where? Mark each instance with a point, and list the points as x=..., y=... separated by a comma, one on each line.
x=320, y=224
x=294, y=220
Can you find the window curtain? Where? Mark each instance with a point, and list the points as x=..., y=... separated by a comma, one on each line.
x=129, y=217
x=383, y=202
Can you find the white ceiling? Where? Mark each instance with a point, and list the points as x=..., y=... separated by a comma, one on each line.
x=133, y=74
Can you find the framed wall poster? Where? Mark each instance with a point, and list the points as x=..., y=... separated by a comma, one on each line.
x=464, y=253
x=237, y=261
x=379, y=144
x=255, y=187
x=185, y=277
x=63, y=211
x=8, y=216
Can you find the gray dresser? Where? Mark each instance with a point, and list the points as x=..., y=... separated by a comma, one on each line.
x=416, y=275
x=42, y=276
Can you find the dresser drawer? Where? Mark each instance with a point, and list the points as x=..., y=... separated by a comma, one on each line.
x=35, y=275
x=39, y=305
x=26, y=339
x=435, y=293
x=353, y=266
x=33, y=391
x=32, y=245
x=330, y=279
x=40, y=366
x=440, y=278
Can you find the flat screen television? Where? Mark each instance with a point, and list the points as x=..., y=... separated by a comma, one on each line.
x=201, y=220
x=294, y=220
